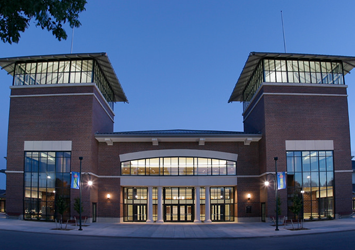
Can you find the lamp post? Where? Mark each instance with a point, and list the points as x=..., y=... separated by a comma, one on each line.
x=80, y=186
x=302, y=192
x=276, y=187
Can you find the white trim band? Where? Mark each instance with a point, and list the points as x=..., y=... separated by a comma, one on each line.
x=255, y=176
x=13, y=172
x=294, y=145
x=177, y=181
x=48, y=146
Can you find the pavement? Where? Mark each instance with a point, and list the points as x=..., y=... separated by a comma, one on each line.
x=180, y=230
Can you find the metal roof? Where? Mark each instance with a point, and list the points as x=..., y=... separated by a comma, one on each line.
x=102, y=59
x=178, y=135
x=177, y=132
x=255, y=57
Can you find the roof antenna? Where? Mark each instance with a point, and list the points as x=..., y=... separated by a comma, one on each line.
x=283, y=30
x=72, y=38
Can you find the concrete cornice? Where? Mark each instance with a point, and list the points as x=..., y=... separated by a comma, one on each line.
x=110, y=139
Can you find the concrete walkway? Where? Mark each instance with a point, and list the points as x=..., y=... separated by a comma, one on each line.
x=180, y=230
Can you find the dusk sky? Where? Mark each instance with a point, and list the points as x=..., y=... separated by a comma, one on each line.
x=178, y=60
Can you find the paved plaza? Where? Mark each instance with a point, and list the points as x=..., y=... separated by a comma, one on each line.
x=180, y=230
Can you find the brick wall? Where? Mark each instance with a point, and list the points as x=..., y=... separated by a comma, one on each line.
x=74, y=117
x=302, y=113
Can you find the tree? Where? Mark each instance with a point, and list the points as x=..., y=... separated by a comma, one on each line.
x=15, y=16
x=77, y=205
x=61, y=207
x=297, y=205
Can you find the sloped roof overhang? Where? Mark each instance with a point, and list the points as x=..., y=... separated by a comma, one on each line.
x=102, y=59
x=255, y=57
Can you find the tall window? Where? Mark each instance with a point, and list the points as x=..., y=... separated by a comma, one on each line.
x=292, y=71
x=47, y=176
x=222, y=204
x=61, y=72
x=178, y=166
x=135, y=204
x=312, y=172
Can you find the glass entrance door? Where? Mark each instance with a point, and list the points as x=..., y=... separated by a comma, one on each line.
x=186, y=213
x=263, y=212
x=94, y=212
x=139, y=212
x=178, y=213
x=217, y=212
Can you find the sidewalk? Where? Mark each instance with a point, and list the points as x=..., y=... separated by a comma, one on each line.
x=180, y=230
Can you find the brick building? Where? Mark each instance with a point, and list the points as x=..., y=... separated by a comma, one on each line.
x=295, y=108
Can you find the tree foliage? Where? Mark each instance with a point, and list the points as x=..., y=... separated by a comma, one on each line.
x=15, y=16
x=77, y=205
x=296, y=203
x=61, y=207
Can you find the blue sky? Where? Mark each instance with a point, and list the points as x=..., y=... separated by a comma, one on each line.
x=178, y=60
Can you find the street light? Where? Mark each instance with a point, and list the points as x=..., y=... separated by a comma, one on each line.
x=302, y=192
x=80, y=185
x=267, y=183
x=276, y=187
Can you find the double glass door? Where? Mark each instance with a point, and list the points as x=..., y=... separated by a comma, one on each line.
x=178, y=213
x=218, y=212
x=139, y=213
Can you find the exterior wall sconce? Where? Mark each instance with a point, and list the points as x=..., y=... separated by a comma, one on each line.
x=90, y=183
x=249, y=196
x=108, y=196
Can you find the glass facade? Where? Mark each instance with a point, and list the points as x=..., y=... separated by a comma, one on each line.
x=61, y=72
x=313, y=172
x=135, y=204
x=293, y=71
x=171, y=166
x=178, y=204
x=254, y=84
x=46, y=177
x=222, y=203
